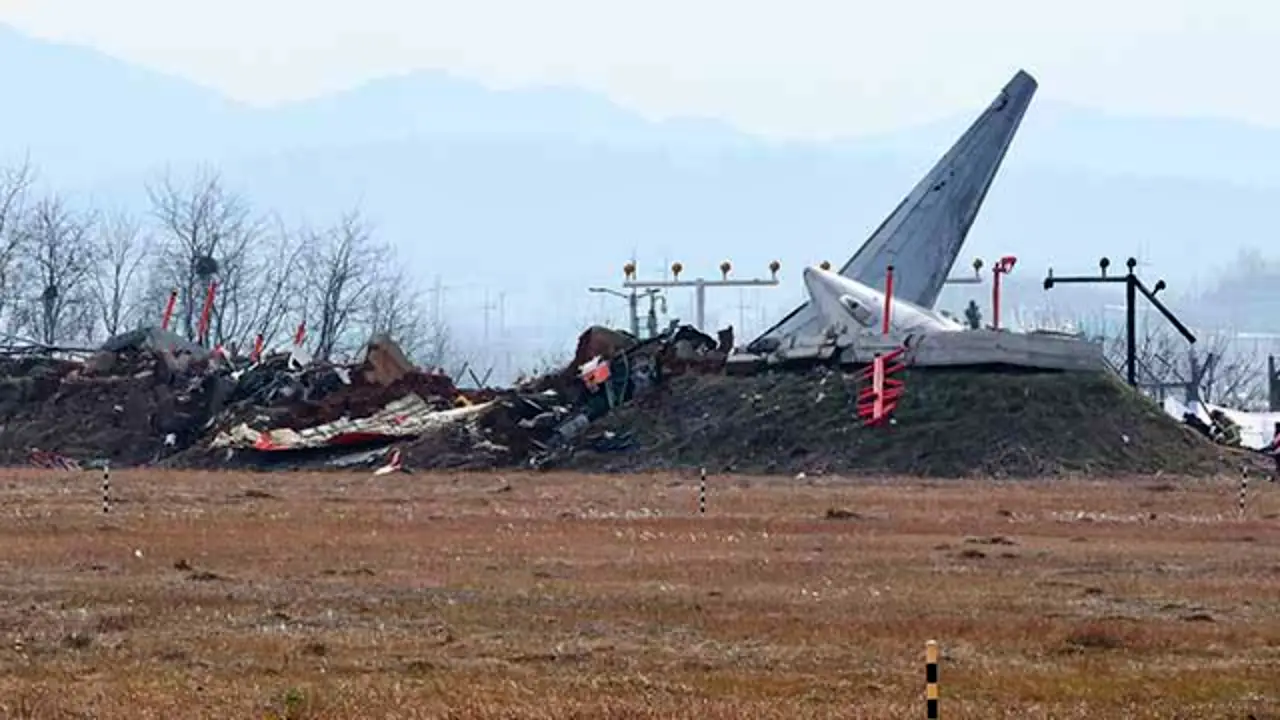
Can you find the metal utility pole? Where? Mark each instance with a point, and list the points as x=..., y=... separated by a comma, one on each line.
x=502, y=313
x=437, y=291
x=1132, y=287
x=656, y=298
x=486, y=309
x=699, y=285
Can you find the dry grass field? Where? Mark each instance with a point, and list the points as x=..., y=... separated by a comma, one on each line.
x=570, y=596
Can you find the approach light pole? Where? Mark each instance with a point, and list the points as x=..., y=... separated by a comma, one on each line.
x=1132, y=287
x=699, y=285
x=633, y=302
x=1003, y=267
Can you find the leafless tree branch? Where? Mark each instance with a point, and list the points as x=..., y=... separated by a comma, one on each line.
x=15, y=185
x=342, y=272
x=207, y=233
x=59, y=250
x=119, y=253
x=278, y=283
x=1230, y=374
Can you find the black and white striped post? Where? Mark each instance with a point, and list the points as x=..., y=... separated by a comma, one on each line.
x=931, y=679
x=106, y=488
x=1244, y=490
x=702, y=491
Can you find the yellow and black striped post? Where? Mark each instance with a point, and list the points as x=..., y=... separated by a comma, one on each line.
x=931, y=679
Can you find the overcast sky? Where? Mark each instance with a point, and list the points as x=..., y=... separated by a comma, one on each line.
x=793, y=67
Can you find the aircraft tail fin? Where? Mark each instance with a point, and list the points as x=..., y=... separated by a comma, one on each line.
x=923, y=235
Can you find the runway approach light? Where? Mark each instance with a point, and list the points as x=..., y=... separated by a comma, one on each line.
x=629, y=270
x=1103, y=264
x=699, y=285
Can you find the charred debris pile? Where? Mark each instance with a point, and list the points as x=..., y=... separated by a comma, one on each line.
x=150, y=398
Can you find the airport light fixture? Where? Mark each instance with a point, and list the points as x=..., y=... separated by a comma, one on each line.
x=1003, y=267
x=975, y=279
x=700, y=285
x=1132, y=287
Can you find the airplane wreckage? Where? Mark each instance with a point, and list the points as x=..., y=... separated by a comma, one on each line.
x=874, y=315
x=882, y=298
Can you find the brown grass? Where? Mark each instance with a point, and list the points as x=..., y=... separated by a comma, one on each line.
x=566, y=596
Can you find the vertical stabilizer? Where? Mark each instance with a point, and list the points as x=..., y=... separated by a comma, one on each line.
x=924, y=234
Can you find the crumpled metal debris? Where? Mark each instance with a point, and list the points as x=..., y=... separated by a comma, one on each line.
x=149, y=395
x=407, y=417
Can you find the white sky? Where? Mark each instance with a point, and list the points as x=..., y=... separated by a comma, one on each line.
x=793, y=67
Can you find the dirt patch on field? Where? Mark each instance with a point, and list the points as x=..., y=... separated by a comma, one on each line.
x=486, y=596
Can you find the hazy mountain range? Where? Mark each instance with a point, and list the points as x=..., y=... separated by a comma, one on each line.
x=539, y=193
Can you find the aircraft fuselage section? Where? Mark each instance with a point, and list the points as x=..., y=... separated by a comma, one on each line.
x=847, y=306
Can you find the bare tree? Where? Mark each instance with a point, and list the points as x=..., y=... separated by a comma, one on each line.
x=15, y=184
x=207, y=233
x=437, y=348
x=342, y=271
x=397, y=307
x=1234, y=375
x=278, y=284
x=237, y=302
x=56, y=243
x=119, y=252
x=1217, y=369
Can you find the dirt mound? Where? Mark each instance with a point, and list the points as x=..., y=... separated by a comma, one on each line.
x=121, y=419
x=949, y=424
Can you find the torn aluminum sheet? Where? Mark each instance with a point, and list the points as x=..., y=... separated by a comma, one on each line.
x=410, y=416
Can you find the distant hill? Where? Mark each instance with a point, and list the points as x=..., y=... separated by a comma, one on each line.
x=538, y=193
x=1069, y=137
x=83, y=115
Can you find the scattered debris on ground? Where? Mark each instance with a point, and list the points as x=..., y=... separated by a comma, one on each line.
x=149, y=397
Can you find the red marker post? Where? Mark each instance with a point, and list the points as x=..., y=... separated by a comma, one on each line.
x=168, y=310
x=203, y=333
x=888, y=299
x=1004, y=267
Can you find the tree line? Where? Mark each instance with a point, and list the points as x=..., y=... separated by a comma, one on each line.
x=1222, y=367
x=72, y=276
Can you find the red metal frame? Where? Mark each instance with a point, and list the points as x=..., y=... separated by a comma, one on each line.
x=877, y=402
